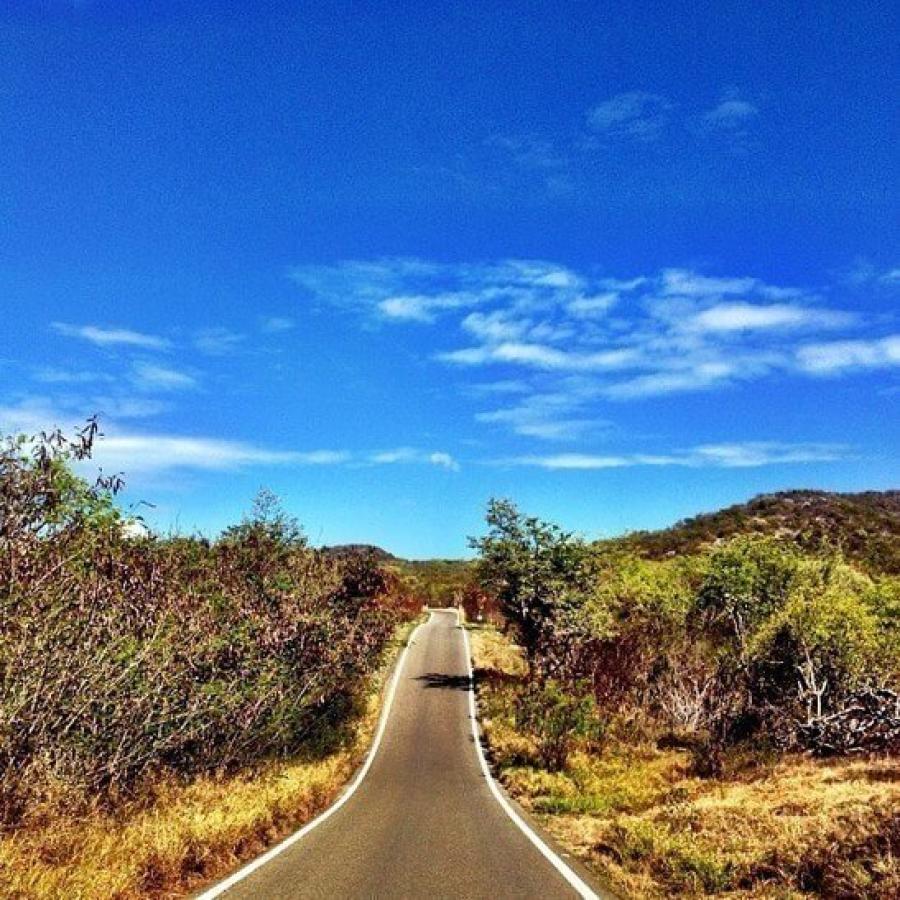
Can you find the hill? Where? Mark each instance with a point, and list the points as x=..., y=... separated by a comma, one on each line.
x=343, y=551
x=864, y=526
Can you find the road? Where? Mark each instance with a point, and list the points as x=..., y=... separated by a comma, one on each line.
x=424, y=821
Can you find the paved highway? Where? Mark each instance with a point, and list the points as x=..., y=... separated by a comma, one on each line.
x=425, y=821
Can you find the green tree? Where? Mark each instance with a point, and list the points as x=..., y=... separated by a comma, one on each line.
x=535, y=570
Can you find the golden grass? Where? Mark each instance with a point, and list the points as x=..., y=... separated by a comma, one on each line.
x=182, y=835
x=783, y=827
x=492, y=651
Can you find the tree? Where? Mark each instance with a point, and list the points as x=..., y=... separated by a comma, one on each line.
x=535, y=570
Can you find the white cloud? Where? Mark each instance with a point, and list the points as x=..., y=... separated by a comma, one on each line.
x=151, y=377
x=622, y=285
x=750, y=454
x=444, y=461
x=593, y=306
x=423, y=308
x=685, y=283
x=143, y=453
x=217, y=341
x=276, y=324
x=740, y=316
x=674, y=331
x=437, y=458
x=540, y=356
x=110, y=337
x=121, y=450
x=765, y=453
x=549, y=416
x=731, y=112
x=834, y=357
x=635, y=114
x=495, y=326
x=701, y=376
x=579, y=461
x=68, y=376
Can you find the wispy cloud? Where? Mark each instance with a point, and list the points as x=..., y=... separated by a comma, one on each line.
x=548, y=416
x=731, y=120
x=633, y=114
x=836, y=357
x=139, y=453
x=71, y=376
x=750, y=454
x=529, y=151
x=541, y=323
x=438, y=458
x=148, y=376
x=217, y=341
x=276, y=324
x=541, y=356
x=111, y=337
x=741, y=316
x=143, y=453
x=731, y=112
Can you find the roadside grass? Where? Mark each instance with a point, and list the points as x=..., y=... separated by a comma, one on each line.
x=178, y=836
x=771, y=826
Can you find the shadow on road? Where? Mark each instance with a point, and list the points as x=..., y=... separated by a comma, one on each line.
x=448, y=682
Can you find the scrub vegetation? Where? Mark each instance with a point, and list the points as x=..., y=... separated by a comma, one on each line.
x=167, y=704
x=721, y=721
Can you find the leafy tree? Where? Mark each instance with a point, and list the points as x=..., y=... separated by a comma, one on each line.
x=535, y=570
x=748, y=579
x=823, y=641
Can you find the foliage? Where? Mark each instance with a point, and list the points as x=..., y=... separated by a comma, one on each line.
x=557, y=718
x=535, y=571
x=764, y=825
x=747, y=639
x=864, y=527
x=123, y=656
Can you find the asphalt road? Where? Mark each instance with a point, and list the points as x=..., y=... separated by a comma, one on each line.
x=423, y=822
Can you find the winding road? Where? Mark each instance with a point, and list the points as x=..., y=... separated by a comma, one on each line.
x=425, y=820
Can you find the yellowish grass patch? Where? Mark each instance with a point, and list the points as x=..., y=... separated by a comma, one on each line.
x=770, y=828
x=183, y=835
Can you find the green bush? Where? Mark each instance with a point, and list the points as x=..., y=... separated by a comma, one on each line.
x=558, y=719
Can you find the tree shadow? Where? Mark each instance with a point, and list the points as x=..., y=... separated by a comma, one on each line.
x=447, y=682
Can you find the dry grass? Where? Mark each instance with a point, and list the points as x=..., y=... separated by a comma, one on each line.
x=778, y=827
x=178, y=836
x=493, y=652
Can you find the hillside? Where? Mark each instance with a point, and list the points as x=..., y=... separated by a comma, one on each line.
x=345, y=551
x=864, y=526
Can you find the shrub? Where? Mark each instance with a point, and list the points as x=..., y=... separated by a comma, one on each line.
x=558, y=719
x=121, y=656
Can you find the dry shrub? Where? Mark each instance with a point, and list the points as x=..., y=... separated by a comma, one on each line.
x=121, y=657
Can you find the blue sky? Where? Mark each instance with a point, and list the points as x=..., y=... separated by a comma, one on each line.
x=621, y=262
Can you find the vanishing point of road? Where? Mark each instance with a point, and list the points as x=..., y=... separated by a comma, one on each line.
x=424, y=822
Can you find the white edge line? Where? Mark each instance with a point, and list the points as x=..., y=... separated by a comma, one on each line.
x=218, y=889
x=582, y=889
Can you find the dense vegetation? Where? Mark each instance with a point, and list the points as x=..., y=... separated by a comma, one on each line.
x=124, y=657
x=864, y=527
x=645, y=674
x=746, y=639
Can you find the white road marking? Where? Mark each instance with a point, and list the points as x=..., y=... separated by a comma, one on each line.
x=574, y=881
x=220, y=888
